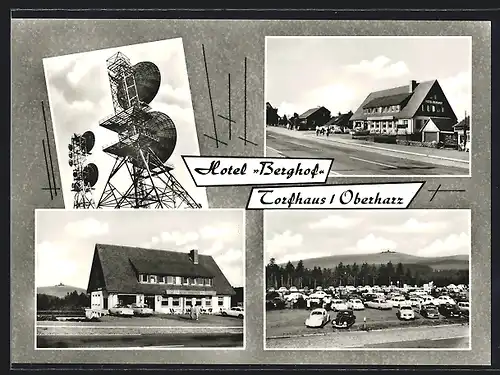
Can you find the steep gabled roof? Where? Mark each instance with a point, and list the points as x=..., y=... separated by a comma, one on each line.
x=309, y=112
x=464, y=123
x=443, y=124
x=387, y=100
x=414, y=100
x=339, y=120
x=121, y=264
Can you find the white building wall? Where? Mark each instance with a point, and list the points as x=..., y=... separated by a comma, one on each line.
x=97, y=300
x=112, y=300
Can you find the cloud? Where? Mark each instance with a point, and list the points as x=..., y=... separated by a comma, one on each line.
x=177, y=237
x=336, y=97
x=231, y=264
x=288, y=109
x=372, y=243
x=86, y=228
x=54, y=264
x=180, y=96
x=414, y=226
x=335, y=222
x=452, y=245
x=221, y=231
x=458, y=91
x=379, y=68
x=281, y=243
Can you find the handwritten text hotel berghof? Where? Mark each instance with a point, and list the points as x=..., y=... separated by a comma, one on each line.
x=267, y=168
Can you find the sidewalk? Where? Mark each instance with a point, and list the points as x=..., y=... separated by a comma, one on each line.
x=432, y=155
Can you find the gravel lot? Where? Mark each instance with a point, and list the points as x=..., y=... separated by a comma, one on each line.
x=291, y=322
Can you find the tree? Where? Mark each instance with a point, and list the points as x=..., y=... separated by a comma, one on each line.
x=355, y=273
x=390, y=273
x=299, y=273
x=364, y=272
x=289, y=273
x=400, y=272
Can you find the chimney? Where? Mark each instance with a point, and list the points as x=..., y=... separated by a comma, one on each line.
x=412, y=86
x=193, y=255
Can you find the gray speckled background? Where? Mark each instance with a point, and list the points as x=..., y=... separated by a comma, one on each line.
x=226, y=44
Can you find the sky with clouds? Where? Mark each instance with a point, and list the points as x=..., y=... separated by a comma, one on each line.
x=339, y=73
x=65, y=239
x=296, y=235
x=79, y=97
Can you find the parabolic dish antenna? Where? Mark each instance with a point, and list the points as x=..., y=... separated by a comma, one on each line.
x=163, y=128
x=147, y=81
x=90, y=174
x=88, y=140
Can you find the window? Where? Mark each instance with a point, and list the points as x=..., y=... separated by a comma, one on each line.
x=175, y=301
x=197, y=302
x=190, y=281
x=220, y=301
x=208, y=302
x=164, y=301
x=405, y=122
x=200, y=281
x=170, y=279
x=189, y=302
x=153, y=279
x=162, y=279
x=185, y=280
x=433, y=108
x=194, y=281
x=143, y=278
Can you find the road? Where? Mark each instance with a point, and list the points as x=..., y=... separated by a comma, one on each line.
x=142, y=341
x=450, y=336
x=355, y=160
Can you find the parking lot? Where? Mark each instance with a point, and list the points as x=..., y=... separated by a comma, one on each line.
x=291, y=321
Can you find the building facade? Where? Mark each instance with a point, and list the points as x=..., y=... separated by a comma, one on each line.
x=404, y=109
x=313, y=117
x=166, y=281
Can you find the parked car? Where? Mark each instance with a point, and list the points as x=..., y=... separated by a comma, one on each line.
x=275, y=303
x=237, y=312
x=415, y=301
x=426, y=300
x=344, y=319
x=121, y=310
x=141, y=309
x=464, y=307
x=293, y=289
x=317, y=318
x=405, y=312
x=449, y=310
x=282, y=289
x=355, y=304
x=429, y=311
x=444, y=299
x=338, y=305
x=398, y=301
x=294, y=296
x=379, y=303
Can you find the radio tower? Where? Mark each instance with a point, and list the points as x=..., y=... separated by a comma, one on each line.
x=146, y=139
x=84, y=176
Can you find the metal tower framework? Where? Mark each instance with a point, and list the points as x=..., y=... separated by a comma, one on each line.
x=83, y=197
x=151, y=183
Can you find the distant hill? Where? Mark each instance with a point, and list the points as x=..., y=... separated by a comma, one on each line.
x=455, y=262
x=59, y=290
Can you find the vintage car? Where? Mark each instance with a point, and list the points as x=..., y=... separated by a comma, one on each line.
x=464, y=307
x=449, y=311
x=141, y=309
x=405, y=312
x=338, y=305
x=355, y=304
x=429, y=311
x=317, y=318
x=237, y=312
x=398, y=301
x=344, y=319
x=443, y=300
x=379, y=303
x=121, y=310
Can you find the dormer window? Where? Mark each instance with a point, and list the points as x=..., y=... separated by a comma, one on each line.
x=153, y=279
x=143, y=278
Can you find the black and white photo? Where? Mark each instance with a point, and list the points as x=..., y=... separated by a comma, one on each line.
x=376, y=105
x=367, y=280
x=123, y=119
x=150, y=279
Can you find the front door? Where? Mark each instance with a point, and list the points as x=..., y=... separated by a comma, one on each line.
x=149, y=301
x=105, y=303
